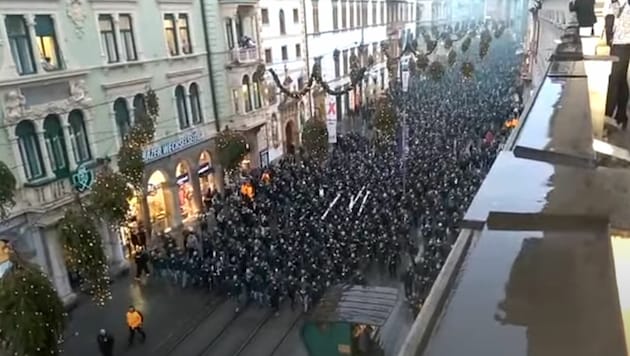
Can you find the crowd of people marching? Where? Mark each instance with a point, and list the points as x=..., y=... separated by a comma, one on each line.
x=367, y=211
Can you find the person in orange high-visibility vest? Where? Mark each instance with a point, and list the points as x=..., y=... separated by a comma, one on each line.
x=247, y=190
x=135, y=320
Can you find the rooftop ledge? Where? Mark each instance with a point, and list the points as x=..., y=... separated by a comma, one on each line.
x=533, y=271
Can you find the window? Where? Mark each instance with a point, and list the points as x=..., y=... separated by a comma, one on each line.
x=335, y=14
x=20, y=43
x=374, y=12
x=336, y=59
x=296, y=16
x=382, y=4
x=344, y=13
x=257, y=98
x=285, y=53
x=139, y=106
x=121, y=114
x=246, y=92
x=268, y=56
x=364, y=12
x=171, y=34
x=351, y=7
x=229, y=33
x=184, y=33
x=108, y=38
x=300, y=83
x=315, y=16
x=56, y=146
x=78, y=137
x=195, y=104
x=283, y=28
x=126, y=35
x=357, y=4
x=47, y=43
x=374, y=50
x=182, y=107
x=298, y=50
x=264, y=13
x=345, y=61
x=30, y=152
x=235, y=100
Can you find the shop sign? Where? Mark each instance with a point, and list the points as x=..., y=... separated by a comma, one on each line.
x=82, y=179
x=172, y=146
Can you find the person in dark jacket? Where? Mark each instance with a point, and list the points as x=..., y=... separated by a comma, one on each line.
x=585, y=11
x=105, y=343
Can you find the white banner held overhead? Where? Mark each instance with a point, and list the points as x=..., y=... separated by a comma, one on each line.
x=331, y=119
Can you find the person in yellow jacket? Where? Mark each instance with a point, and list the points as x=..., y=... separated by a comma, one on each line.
x=135, y=319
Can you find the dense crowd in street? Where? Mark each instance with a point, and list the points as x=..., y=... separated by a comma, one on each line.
x=368, y=210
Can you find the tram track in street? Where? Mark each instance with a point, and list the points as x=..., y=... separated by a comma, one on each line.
x=258, y=343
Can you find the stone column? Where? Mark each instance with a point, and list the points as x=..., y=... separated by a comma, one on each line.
x=197, y=193
x=72, y=162
x=16, y=155
x=113, y=249
x=254, y=154
x=145, y=213
x=171, y=197
x=44, y=150
x=57, y=271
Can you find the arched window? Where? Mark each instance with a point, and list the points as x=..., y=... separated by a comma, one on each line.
x=283, y=28
x=257, y=99
x=195, y=104
x=139, y=105
x=182, y=107
x=56, y=146
x=78, y=136
x=247, y=98
x=30, y=152
x=121, y=112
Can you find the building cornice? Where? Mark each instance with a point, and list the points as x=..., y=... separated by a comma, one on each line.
x=43, y=78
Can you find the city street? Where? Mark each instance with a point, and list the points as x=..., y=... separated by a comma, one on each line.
x=169, y=312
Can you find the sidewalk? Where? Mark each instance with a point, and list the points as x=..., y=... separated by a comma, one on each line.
x=169, y=312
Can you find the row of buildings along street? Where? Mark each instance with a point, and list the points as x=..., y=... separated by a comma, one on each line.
x=73, y=74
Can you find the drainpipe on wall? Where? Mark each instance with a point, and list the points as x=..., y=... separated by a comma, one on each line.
x=217, y=124
x=220, y=176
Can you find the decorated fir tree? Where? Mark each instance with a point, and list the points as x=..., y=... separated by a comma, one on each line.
x=385, y=121
x=315, y=138
x=32, y=317
x=109, y=197
x=231, y=149
x=84, y=252
x=7, y=190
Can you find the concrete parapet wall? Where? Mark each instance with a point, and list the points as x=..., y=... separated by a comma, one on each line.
x=429, y=314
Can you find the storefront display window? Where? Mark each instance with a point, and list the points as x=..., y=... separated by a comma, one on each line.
x=206, y=180
x=186, y=192
x=156, y=202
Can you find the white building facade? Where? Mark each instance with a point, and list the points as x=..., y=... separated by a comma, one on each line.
x=284, y=50
x=337, y=30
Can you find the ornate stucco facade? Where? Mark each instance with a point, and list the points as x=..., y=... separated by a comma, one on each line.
x=71, y=72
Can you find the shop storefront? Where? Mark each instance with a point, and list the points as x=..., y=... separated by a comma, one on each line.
x=179, y=174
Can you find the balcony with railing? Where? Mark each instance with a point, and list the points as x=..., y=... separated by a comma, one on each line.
x=244, y=55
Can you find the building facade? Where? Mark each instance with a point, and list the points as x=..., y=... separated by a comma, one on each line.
x=339, y=30
x=233, y=35
x=65, y=108
x=284, y=49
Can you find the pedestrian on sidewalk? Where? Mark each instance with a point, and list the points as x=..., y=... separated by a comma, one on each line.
x=135, y=320
x=105, y=343
x=141, y=259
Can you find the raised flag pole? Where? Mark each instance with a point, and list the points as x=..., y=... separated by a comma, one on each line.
x=332, y=204
x=363, y=202
x=354, y=200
